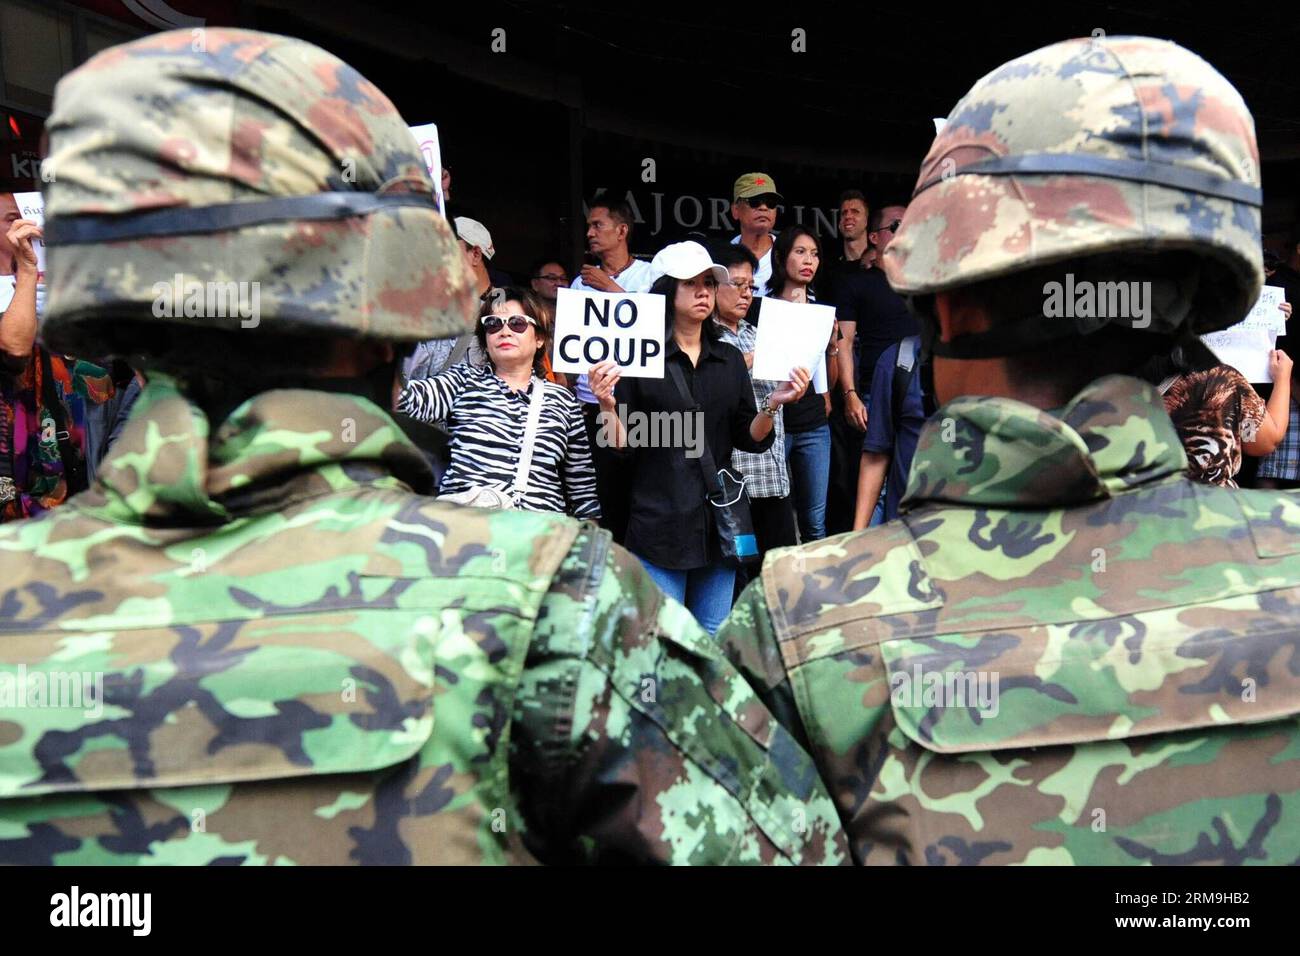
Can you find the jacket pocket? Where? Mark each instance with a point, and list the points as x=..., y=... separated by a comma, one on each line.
x=1177, y=669
x=217, y=703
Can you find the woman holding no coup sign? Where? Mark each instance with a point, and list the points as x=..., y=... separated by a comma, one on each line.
x=671, y=528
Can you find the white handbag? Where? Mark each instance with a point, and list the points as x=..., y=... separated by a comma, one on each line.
x=482, y=496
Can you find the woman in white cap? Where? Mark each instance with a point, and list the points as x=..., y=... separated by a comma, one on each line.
x=672, y=527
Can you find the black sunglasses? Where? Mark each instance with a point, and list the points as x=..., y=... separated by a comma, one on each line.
x=891, y=226
x=770, y=200
x=518, y=323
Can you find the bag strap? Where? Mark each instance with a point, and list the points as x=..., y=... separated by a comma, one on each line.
x=530, y=437
x=459, y=350
x=906, y=368
x=903, y=374
x=712, y=486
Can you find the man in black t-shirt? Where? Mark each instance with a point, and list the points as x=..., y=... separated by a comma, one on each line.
x=883, y=318
x=880, y=318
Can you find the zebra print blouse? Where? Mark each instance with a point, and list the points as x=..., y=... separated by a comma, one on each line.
x=486, y=420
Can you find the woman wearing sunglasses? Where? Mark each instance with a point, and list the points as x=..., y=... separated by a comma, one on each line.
x=672, y=528
x=486, y=409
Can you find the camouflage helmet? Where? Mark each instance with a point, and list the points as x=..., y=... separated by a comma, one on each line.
x=191, y=161
x=1090, y=147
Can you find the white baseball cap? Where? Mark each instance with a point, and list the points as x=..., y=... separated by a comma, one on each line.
x=476, y=234
x=686, y=260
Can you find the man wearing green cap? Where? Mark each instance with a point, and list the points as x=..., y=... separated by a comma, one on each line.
x=754, y=202
x=255, y=639
x=1064, y=651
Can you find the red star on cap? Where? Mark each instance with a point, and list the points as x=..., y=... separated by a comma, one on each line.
x=759, y=182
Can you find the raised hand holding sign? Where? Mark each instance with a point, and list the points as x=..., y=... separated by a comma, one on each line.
x=625, y=328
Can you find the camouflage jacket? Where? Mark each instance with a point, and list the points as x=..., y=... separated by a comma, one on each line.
x=1064, y=651
x=302, y=661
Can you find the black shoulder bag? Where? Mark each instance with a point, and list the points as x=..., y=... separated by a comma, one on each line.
x=726, y=495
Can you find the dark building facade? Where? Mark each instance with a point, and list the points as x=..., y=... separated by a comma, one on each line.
x=540, y=105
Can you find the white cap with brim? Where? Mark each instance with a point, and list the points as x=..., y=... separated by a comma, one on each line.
x=476, y=234
x=686, y=260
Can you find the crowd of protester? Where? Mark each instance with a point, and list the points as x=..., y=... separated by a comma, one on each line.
x=824, y=453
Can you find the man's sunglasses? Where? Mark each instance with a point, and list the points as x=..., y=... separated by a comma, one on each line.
x=770, y=200
x=551, y=277
x=518, y=323
x=891, y=226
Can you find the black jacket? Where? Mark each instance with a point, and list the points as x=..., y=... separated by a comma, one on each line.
x=671, y=524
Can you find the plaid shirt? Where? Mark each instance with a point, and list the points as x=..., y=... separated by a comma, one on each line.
x=1284, y=461
x=765, y=474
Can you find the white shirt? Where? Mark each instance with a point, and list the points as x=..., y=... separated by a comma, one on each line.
x=9, y=285
x=636, y=277
x=763, y=274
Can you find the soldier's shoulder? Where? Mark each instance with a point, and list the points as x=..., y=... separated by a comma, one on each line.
x=602, y=602
x=517, y=541
x=861, y=574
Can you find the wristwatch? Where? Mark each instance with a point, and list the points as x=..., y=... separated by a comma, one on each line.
x=767, y=409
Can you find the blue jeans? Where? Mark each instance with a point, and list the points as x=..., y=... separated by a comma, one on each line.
x=878, y=516
x=705, y=591
x=808, y=458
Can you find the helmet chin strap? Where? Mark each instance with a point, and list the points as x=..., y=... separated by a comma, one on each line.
x=1029, y=334
x=1172, y=295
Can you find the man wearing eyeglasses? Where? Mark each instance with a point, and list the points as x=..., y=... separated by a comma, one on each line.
x=547, y=276
x=883, y=318
x=754, y=202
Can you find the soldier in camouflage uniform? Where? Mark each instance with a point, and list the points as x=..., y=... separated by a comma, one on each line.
x=1065, y=651
x=303, y=658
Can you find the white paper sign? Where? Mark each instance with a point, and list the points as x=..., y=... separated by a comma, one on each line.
x=1244, y=348
x=793, y=334
x=626, y=328
x=426, y=137
x=1265, y=314
x=32, y=208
